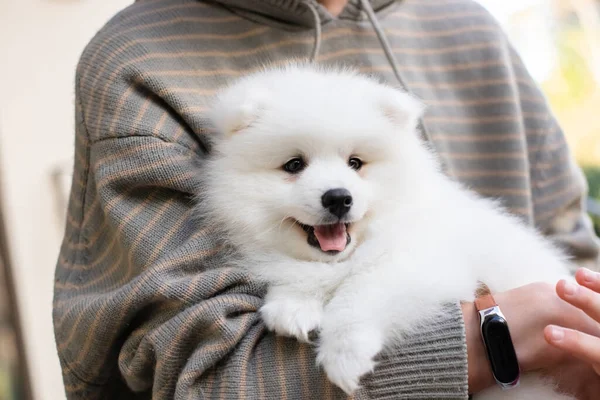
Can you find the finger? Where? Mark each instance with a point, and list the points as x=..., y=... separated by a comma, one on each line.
x=589, y=279
x=581, y=297
x=580, y=345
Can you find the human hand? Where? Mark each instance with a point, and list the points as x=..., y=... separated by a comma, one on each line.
x=586, y=297
x=528, y=310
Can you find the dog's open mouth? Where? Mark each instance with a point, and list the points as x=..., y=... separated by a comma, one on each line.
x=331, y=238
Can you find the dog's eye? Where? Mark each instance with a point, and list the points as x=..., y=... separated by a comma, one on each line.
x=294, y=166
x=355, y=163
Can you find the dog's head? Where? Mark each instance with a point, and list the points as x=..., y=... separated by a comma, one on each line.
x=305, y=158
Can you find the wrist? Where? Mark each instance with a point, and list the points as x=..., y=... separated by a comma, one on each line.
x=479, y=371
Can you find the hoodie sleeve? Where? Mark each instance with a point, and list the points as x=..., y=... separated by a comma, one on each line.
x=144, y=305
x=565, y=222
x=558, y=187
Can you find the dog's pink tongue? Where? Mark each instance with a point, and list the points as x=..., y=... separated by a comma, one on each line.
x=331, y=237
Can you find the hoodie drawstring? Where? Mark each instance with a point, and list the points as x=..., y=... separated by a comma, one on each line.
x=317, y=19
x=385, y=44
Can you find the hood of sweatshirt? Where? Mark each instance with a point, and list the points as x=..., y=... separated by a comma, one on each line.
x=301, y=12
x=310, y=14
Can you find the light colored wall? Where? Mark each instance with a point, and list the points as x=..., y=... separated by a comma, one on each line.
x=40, y=43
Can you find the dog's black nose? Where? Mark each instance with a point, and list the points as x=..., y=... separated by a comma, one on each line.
x=337, y=201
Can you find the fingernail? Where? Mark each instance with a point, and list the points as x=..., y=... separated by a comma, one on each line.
x=570, y=289
x=557, y=334
x=588, y=275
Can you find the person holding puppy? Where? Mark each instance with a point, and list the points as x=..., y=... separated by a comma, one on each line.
x=144, y=305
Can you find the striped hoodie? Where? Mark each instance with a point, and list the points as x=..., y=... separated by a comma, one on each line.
x=144, y=305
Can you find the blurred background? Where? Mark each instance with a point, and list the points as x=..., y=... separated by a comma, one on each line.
x=40, y=42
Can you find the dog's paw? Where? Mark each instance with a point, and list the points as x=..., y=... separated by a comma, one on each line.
x=347, y=358
x=295, y=317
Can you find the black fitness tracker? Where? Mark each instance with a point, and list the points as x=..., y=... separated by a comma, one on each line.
x=498, y=343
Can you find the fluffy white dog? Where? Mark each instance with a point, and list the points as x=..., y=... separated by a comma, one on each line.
x=321, y=182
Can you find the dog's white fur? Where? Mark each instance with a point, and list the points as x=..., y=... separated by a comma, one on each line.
x=419, y=239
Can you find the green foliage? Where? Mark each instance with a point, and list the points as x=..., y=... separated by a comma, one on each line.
x=593, y=177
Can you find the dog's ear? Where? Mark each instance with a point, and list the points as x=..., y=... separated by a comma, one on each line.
x=237, y=110
x=403, y=109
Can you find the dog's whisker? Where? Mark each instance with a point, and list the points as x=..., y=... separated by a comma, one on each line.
x=294, y=223
x=291, y=219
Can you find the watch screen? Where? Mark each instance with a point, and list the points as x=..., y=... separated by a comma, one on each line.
x=501, y=351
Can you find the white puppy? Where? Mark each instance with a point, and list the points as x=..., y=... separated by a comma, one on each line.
x=321, y=182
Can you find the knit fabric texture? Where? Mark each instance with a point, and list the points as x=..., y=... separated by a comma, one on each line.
x=145, y=306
